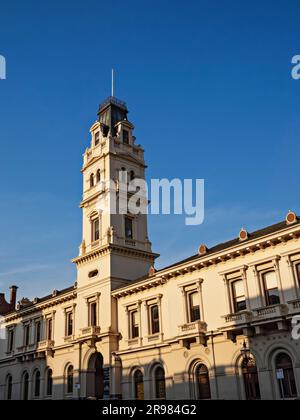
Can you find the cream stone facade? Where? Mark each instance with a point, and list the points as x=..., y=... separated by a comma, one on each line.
x=215, y=326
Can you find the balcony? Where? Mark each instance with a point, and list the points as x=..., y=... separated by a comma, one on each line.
x=44, y=348
x=238, y=319
x=270, y=312
x=192, y=332
x=193, y=328
x=45, y=345
x=294, y=306
x=90, y=331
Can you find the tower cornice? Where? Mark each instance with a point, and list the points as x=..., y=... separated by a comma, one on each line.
x=118, y=249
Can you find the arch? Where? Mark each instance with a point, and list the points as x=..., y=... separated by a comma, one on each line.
x=98, y=176
x=277, y=347
x=122, y=176
x=8, y=386
x=159, y=383
x=242, y=387
x=138, y=382
x=69, y=378
x=92, y=180
x=285, y=375
x=36, y=380
x=250, y=378
x=25, y=386
x=49, y=382
x=131, y=175
x=95, y=377
x=200, y=380
x=271, y=355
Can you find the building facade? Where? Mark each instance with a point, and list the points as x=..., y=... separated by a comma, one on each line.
x=215, y=326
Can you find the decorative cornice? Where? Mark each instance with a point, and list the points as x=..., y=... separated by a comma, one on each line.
x=51, y=302
x=108, y=249
x=205, y=261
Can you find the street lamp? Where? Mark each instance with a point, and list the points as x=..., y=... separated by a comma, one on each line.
x=245, y=351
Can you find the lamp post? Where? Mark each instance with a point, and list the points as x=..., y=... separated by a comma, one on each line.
x=245, y=351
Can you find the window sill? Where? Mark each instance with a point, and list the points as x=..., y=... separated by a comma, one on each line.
x=69, y=338
x=155, y=337
x=135, y=341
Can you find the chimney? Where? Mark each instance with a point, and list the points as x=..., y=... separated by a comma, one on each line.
x=13, y=295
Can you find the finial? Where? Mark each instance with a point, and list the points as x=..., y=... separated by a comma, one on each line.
x=112, y=82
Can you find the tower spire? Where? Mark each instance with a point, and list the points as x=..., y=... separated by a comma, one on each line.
x=112, y=82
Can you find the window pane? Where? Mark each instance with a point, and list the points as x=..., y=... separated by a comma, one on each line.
x=154, y=319
x=203, y=383
x=70, y=380
x=139, y=385
x=93, y=314
x=49, y=382
x=287, y=386
x=125, y=136
x=160, y=386
x=37, y=384
x=128, y=228
x=238, y=288
x=70, y=324
x=194, y=307
x=270, y=280
x=38, y=332
x=134, y=325
x=273, y=297
x=49, y=329
x=95, y=230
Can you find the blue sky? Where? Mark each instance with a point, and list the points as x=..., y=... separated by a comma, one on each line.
x=209, y=88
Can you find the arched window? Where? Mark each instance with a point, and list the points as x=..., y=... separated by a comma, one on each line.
x=250, y=377
x=25, y=386
x=9, y=387
x=138, y=385
x=98, y=176
x=37, y=383
x=49, y=383
x=70, y=376
x=160, y=384
x=285, y=371
x=202, y=382
x=92, y=183
x=123, y=175
x=132, y=175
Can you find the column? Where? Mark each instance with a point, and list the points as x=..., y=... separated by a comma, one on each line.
x=278, y=276
x=244, y=277
x=292, y=276
x=185, y=314
x=227, y=298
x=199, y=289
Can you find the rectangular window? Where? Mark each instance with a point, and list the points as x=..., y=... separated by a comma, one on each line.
x=128, y=228
x=194, y=307
x=298, y=273
x=154, y=319
x=271, y=288
x=93, y=314
x=238, y=296
x=97, y=138
x=26, y=335
x=38, y=331
x=11, y=339
x=69, y=320
x=95, y=230
x=125, y=136
x=134, y=324
x=49, y=329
